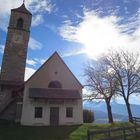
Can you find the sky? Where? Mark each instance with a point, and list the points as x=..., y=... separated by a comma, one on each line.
x=78, y=30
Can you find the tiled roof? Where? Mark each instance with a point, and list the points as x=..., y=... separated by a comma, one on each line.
x=22, y=9
x=54, y=93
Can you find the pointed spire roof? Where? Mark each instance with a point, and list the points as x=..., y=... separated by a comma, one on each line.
x=22, y=9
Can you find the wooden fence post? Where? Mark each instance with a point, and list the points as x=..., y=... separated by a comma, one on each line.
x=124, y=137
x=135, y=132
x=109, y=133
x=88, y=135
x=134, y=118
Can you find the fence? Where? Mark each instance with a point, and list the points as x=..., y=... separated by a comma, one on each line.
x=136, y=120
x=114, y=133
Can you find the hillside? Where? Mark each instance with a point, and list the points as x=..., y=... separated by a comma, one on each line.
x=102, y=117
x=119, y=111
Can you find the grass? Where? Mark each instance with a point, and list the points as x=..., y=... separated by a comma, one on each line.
x=81, y=132
x=17, y=132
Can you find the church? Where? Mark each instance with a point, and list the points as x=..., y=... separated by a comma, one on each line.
x=51, y=96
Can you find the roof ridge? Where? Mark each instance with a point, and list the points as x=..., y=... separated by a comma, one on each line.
x=56, y=53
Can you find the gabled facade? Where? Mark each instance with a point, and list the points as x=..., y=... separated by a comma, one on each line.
x=52, y=96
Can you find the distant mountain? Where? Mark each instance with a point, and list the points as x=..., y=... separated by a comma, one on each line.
x=102, y=117
x=119, y=111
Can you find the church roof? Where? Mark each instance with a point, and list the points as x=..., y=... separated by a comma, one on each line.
x=22, y=9
x=49, y=93
x=55, y=53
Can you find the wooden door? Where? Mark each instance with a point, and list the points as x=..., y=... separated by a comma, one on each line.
x=54, y=116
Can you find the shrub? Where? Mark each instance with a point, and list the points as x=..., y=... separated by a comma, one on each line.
x=88, y=116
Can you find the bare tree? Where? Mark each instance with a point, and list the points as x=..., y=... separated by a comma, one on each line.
x=127, y=68
x=101, y=83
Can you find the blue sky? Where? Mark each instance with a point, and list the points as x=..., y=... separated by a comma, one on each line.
x=76, y=29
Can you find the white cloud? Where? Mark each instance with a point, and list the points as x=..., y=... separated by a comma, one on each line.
x=133, y=100
x=1, y=49
x=5, y=8
x=34, y=44
x=31, y=62
x=37, y=7
x=7, y=5
x=28, y=73
x=99, y=34
x=4, y=18
x=73, y=53
x=38, y=19
x=40, y=60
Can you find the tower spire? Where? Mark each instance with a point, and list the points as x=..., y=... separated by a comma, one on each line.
x=23, y=1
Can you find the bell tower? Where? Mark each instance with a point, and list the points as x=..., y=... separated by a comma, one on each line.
x=15, y=52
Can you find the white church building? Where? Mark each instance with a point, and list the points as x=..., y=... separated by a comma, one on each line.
x=51, y=96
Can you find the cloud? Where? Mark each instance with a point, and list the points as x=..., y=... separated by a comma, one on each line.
x=31, y=62
x=28, y=73
x=1, y=49
x=37, y=7
x=41, y=6
x=99, y=34
x=133, y=100
x=7, y=5
x=38, y=19
x=34, y=44
x=73, y=53
x=40, y=60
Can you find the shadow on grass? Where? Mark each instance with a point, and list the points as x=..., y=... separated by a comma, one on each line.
x=18, y=132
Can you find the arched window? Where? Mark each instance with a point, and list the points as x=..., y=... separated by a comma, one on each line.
x=55, y=84
x=20, y=23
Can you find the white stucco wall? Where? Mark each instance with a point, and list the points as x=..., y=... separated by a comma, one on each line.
x=28, y=116
x=41, y=80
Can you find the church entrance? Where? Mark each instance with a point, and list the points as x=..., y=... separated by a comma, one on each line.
x=54, y=116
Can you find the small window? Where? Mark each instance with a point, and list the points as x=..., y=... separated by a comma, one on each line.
x=55, y=84
x=69, y=112
x=20, y=23
x=38, y=112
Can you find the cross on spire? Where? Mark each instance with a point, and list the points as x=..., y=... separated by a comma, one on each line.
x=23, y=1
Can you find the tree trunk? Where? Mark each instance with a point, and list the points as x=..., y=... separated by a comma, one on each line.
x=110, y=116
x=129, y=111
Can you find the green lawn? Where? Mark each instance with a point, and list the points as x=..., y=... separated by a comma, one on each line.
x=17, y=132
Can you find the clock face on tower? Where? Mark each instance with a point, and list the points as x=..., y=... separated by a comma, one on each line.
x=17, y=38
